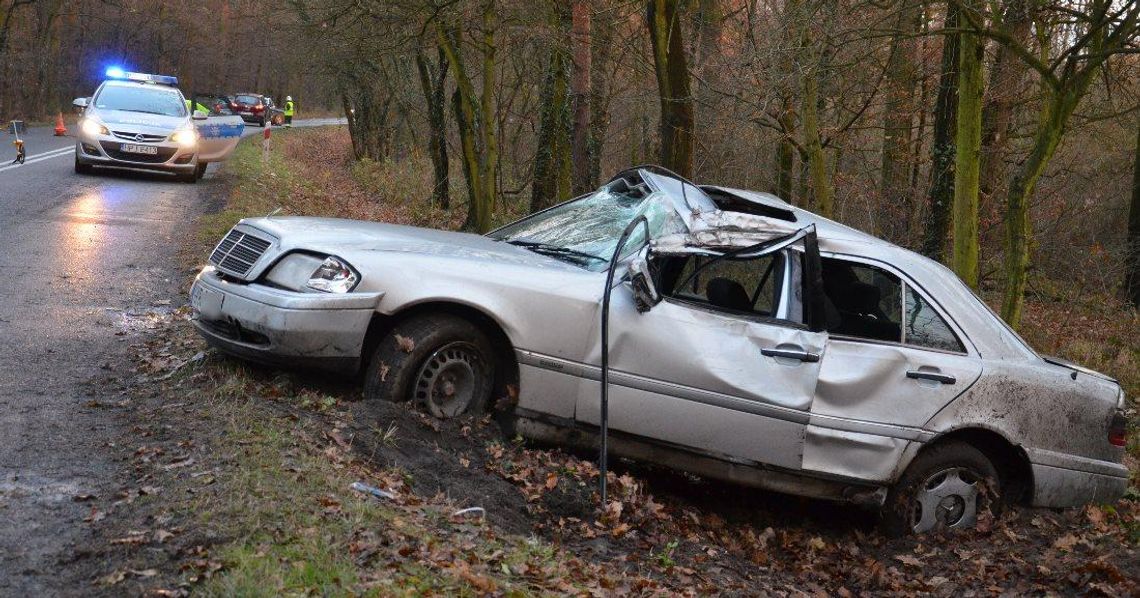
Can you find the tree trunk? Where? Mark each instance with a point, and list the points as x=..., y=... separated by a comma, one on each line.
x=489, y=125
x=602, y=37
x=580, y=93
x=552, y=161
x=786, y=152
x=968, y=142
x=464, y=123
x=466, y=113
x=817, y=165
x=671, y=67
x=1132, y=272
x=898, y=113
x=942, y=151
x=433, y=79
x=1054, y=117
x=1006, y=76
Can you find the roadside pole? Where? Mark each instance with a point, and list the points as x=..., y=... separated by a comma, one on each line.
x=265, y=143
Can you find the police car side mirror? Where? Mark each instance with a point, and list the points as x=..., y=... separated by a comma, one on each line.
x=79, y=102
x=199, y=115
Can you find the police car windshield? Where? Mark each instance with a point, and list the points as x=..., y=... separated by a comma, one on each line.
x=137, y=98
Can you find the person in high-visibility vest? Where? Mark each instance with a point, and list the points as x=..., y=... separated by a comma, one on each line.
x=192, y=107
x=289, y=111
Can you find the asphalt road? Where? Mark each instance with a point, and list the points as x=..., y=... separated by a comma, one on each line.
x=82, y=257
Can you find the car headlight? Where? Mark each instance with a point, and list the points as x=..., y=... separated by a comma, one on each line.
x=93, y=127
x=187, y=137
x=333, y=276
x=307, y=272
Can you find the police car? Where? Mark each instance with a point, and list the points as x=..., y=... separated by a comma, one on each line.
x=138, y=120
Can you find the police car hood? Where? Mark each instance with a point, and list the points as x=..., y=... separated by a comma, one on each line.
x=139, y=122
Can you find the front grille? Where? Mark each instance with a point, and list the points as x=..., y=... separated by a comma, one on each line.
x=132, y=136
x=238, y=252
x=112, y=149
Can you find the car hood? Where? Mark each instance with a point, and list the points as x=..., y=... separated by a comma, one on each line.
x=337, y=236
x=139, y=119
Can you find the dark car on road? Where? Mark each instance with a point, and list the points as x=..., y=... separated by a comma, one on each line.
x=257, y=108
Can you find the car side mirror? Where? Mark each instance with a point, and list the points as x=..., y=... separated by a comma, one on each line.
x=199, y=115
x=79, y=102
x=645, y=294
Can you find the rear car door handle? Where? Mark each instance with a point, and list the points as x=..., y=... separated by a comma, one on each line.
x=791, y=354
x=935, y=376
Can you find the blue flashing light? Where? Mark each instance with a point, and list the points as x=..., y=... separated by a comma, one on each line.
x=115, y=72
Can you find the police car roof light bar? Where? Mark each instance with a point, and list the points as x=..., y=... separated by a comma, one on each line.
x=118, y=73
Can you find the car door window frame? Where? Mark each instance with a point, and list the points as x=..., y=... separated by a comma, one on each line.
x=906, y=283
x=788, y=259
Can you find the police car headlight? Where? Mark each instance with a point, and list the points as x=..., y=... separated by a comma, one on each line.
x=93, y=127
x=187, y=137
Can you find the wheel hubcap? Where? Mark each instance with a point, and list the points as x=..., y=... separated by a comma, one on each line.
x=450, y=379
x=948, y=498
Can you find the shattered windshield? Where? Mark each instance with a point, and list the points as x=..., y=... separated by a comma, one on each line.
x=585, y=231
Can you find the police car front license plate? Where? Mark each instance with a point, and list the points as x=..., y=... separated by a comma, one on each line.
x=131, y=148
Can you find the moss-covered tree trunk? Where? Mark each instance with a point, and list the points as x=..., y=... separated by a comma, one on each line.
x=433, y=80
x=466, y=114
x=967, y=156
x=942, y=150
x=552, y=160
x=672, y=69
x=488, y=125
x=1054, y=116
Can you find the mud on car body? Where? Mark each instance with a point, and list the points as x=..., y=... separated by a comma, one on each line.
x=750, y=341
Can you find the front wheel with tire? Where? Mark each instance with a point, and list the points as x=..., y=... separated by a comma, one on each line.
x=200, y=171
x=80, y=167
x=443, y=362
x=947, y=486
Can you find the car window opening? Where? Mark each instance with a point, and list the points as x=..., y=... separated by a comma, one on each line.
x=863, y=301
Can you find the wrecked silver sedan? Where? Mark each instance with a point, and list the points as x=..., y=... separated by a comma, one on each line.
x=749, y=341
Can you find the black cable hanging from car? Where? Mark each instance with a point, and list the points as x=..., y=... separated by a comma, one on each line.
x=605, y=398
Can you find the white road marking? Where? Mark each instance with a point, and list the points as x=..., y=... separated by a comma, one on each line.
x=40, y=157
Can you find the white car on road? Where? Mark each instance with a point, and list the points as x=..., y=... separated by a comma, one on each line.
x=136, y=120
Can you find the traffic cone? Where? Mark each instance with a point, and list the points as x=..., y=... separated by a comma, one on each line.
x=60, y=130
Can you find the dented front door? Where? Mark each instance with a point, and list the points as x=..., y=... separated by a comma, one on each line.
x=716, y=383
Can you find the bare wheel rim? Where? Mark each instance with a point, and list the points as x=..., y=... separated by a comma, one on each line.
x=947, y=498
x=450, y=379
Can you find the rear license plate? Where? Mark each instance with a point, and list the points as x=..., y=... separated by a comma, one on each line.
x=131, y=148
x=245, y=113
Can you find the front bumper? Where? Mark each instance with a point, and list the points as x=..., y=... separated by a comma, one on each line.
x=280, y=327
x=104, y=150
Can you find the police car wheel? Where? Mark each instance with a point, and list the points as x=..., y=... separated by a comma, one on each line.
x=81, y=168
x=200, y=171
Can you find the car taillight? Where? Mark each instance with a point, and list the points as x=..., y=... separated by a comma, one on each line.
x=257, y=108
x=1118, y=430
